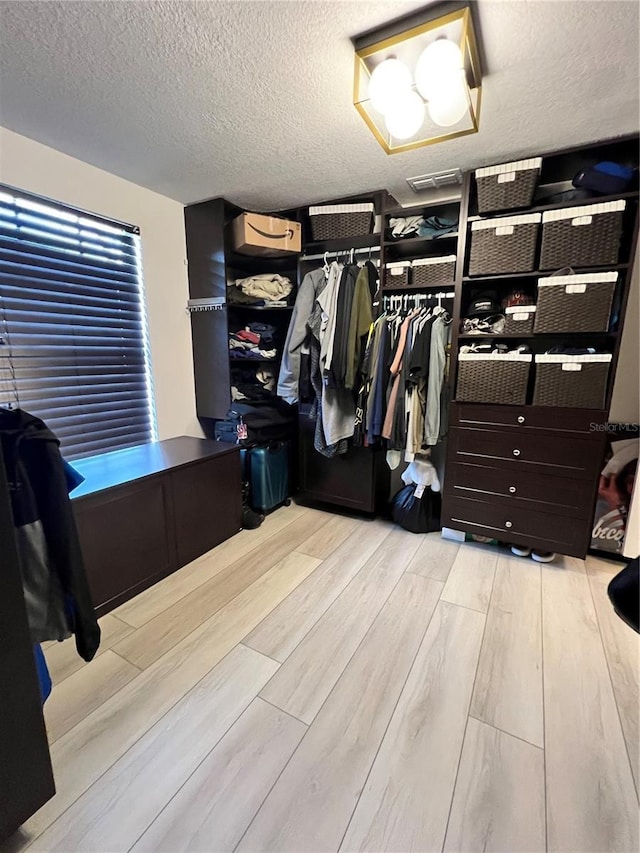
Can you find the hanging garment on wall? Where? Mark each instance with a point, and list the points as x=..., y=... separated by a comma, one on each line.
x=56, y=591
x=328, y=332
x=404, y=394
x=288, y=380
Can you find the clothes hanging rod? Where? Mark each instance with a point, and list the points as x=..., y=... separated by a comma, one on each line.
x=448, y=294
x=317, y=257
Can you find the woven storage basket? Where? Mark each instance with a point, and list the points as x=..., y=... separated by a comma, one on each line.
x=586, y=236
x=397, y=274
x=426, y=271
x=333, y=221
x=575, y=303
x=518, y=320
x=508, y=186
x=504, y=245
x=493, y=378
x=577, y=381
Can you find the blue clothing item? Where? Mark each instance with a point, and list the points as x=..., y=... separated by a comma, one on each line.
x=436, y=226
x=44, y=679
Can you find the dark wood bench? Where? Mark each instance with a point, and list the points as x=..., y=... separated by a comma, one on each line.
x=144, y=512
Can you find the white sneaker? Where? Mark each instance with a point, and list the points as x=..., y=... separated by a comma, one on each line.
x=520, y=551
x=543, y=556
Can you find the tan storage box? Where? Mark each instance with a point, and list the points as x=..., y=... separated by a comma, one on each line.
x=258, y=234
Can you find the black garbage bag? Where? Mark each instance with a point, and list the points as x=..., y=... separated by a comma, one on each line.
x=417, y=514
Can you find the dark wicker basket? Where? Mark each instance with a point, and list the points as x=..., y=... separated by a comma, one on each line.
x=586, y=236
x=504, y=245
x=508, y=186
x=427, y=271
x=334, y=221
x=397, y=275
x=575, y=303
x=519, y=320
x=576, y=381
x=493, y=378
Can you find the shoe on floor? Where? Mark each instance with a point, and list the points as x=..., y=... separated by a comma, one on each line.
x=543, y=556
x=520, y=551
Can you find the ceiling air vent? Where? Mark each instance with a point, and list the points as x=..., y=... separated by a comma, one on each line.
x=436, y=180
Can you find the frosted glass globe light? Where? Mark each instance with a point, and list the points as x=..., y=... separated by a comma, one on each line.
x=437, y=65
x=405, y=116
x=388, y=80
x=450, y=106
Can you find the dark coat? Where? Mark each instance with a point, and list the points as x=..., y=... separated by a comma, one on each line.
x=55, y=585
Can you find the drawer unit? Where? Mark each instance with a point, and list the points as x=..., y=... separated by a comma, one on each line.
x=520, y=490
x=545, y=530
x=556, y=456
x=531, y=419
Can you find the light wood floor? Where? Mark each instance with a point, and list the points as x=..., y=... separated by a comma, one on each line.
x=326, y=683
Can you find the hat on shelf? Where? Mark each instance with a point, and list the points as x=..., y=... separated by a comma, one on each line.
x=517, y=297
x=484, y=304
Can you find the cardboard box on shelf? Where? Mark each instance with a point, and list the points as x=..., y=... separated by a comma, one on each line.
x=269, y=236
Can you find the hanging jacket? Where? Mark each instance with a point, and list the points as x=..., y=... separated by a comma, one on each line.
x=296, y=335
x=56, y=591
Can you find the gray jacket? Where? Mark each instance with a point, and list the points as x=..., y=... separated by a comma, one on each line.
x=289, y=377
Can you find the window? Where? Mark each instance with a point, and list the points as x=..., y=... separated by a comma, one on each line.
x=73, y=337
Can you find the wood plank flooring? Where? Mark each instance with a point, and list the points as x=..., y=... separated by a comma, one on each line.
x=328, y=683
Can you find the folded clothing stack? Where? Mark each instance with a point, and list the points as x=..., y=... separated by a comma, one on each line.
x=420, y=226
x=255, y=340
x=253, y=385
x=266, y=289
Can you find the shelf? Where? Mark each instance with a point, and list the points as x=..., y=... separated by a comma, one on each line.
x=254, y=263
x=632, y=195
x=242, y=307
x=252, y=359
x=409, y=287
x=419, y=209
x=411, y=245
x=341, y=244
x=531, y=335
x=539, y=273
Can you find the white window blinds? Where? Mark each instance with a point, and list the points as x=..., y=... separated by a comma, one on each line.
x=73, y=336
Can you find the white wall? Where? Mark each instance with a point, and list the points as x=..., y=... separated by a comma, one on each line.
x=30, y=166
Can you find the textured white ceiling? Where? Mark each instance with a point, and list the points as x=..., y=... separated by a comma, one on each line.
x=252, y=100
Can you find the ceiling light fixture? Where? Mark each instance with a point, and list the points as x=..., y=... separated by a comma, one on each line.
x=418, y=80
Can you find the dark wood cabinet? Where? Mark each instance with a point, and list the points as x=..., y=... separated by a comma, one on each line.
x=525, y=475
x=205, y=505
x=358, y=479
x=144, y=512
x=127, y=543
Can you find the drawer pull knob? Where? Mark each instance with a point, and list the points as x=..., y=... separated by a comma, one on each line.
x=508, y=524
x=521, y=419
x=516, y=452
x=512, y=490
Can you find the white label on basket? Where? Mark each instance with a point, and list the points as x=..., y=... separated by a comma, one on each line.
x=504, y=229
x=571, y=365
x=582, y=220
x=396, y=271
x=519, y=317
x=419, y=492
x=576, y=288
x=506, y=178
